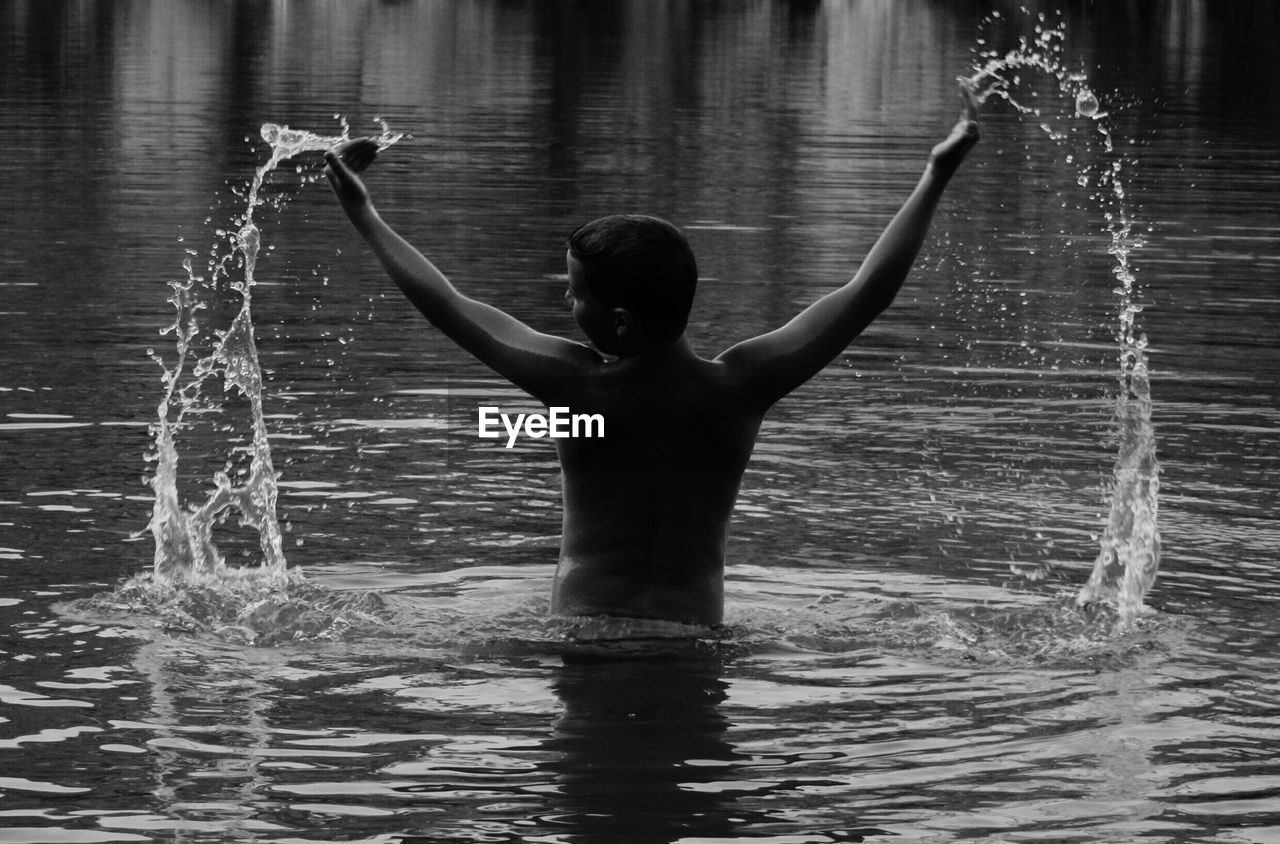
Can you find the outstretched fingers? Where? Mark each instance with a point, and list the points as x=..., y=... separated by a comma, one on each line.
x=948, y=154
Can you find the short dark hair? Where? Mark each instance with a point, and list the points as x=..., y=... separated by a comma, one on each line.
x=640, y=263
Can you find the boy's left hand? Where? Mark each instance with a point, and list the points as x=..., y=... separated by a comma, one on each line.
x=947, y=155
x=357, y=154
x=343, y=162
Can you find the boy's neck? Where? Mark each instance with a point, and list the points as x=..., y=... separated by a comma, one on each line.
x=659, y=350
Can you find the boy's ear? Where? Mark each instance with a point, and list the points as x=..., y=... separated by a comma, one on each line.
x=623, y=321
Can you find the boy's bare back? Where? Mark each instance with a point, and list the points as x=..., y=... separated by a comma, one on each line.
x=647, y=506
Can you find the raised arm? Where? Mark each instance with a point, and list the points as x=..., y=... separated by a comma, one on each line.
x=774, y=364
x=538, y=363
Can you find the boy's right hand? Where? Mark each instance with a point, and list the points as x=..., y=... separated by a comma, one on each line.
x=342, y=163
x=946, y=156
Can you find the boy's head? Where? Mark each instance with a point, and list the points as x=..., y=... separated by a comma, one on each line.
x=641, y=264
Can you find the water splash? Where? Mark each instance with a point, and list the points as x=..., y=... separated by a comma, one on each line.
x=240, y=606
x=1129, y=556
x=184, y=545
x=190, y=585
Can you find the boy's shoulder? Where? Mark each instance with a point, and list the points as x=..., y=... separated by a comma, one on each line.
x=678, y=374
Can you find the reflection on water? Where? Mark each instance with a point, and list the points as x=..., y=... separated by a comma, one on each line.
x=394, y=737
x=380, y=739
x=642, y=747
x=909, y=527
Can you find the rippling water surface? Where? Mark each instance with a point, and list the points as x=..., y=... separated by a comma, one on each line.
x=902, y=659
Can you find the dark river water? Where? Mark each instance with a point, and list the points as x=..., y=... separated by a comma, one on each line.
x=902, y=662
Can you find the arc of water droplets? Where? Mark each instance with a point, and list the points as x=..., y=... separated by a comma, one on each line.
x=184, y=546
x=1129, y=556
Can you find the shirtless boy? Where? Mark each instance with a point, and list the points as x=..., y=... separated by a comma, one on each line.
x=647, y=506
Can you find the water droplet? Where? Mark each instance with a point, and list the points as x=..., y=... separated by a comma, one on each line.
x=249, y=239
x=1086, y=103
